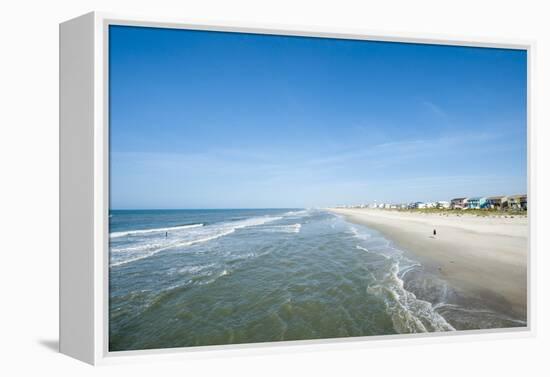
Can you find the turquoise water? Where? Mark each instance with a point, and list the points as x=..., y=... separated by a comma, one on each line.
x=203, y=277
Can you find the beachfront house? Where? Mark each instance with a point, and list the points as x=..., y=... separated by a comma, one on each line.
x=477, y=203
x=518, y=202
x=497, y=202
x=513, y=203
x=459, y=203
x=523, y=202
x=443, y=204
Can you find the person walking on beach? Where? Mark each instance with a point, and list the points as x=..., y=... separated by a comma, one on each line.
x=435, y=232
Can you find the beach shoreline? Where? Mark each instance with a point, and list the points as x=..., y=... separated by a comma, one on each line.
x=484, y=258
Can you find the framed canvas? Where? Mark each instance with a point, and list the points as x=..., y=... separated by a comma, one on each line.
x=251, y=188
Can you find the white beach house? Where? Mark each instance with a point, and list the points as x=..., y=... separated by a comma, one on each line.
x=443, y=204
x=459, y=203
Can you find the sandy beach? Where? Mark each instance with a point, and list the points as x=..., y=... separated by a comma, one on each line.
x=483, y=257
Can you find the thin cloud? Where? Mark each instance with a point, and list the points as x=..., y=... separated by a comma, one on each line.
x=435, y=109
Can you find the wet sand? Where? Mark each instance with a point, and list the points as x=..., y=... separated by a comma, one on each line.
x=484, y=257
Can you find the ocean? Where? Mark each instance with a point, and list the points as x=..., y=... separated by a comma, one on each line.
x=180, y=278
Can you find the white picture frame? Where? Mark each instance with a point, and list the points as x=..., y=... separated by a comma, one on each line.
x=84, y=191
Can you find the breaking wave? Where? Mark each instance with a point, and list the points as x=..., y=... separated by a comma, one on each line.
x=135, y=245
x=408, y=313
x=156, y=230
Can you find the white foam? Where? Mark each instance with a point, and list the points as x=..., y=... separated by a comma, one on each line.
x=292, y=228
x=215, y=278
x=195, y=269
x=408, y=313
x=154, y=242
x=362, y=248
x=297, y=213
x=404, y=271
x=358, y=235
x=156, y=230
x=480, y=311
x=172, y=245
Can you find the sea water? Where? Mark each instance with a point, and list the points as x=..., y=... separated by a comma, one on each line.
x=204, y=277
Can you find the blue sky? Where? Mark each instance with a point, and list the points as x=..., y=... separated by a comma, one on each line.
x=228, y=120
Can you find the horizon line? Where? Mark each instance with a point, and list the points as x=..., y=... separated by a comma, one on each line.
x=200, y=209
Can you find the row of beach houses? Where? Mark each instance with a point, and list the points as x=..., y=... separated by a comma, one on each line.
x=501, y=202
